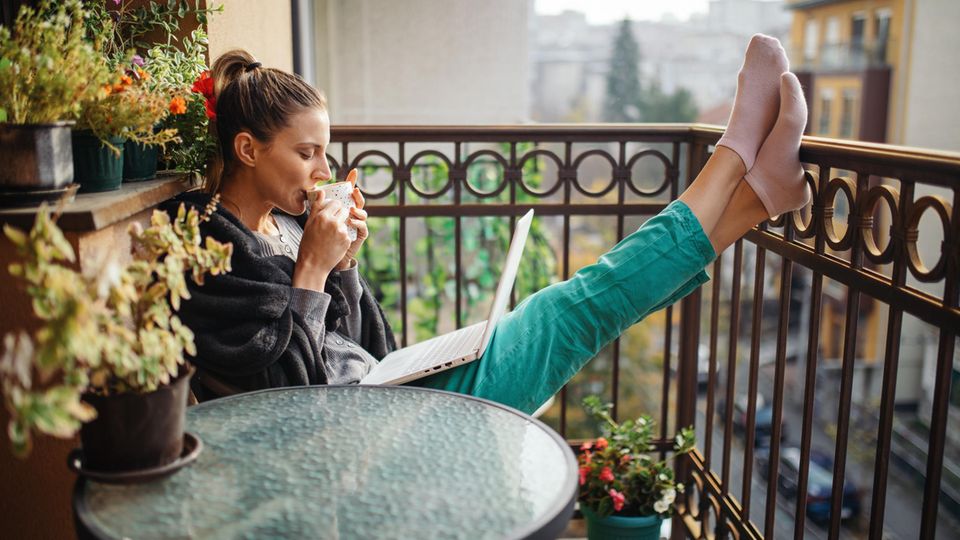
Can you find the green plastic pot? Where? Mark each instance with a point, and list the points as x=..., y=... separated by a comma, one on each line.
x=621, y=527
x=139, y=161
x=95, y=166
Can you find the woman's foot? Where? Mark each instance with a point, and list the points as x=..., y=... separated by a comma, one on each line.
x=758, y=98
x=777, y=176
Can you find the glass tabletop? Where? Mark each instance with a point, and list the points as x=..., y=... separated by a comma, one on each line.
x=348, y=462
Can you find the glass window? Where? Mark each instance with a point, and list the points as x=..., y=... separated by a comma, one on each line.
x=882, y=34
x=857, y=29
x=826, y=105
x=833, y=31
x=810, y=39
x=846, y=113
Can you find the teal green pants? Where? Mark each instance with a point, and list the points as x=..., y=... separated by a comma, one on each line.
x=547, y=339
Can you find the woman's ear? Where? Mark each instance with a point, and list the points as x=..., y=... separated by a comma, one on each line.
x=245, y=148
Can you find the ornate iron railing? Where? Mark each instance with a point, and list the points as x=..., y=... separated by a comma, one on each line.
x=865, y=234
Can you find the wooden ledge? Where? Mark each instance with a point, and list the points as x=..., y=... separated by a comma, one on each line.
x=95, y=211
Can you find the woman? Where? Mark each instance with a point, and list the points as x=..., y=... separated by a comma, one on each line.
x=294, y=310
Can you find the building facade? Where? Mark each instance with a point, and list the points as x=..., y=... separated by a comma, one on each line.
x=425, y=62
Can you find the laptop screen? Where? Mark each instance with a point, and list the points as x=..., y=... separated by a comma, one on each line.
x=500, y=300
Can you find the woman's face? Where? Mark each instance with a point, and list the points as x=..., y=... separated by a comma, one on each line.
x=295, y=161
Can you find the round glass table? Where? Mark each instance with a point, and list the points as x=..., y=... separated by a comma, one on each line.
x=349, y=462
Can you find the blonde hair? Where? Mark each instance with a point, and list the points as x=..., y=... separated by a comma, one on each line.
x=254, y=99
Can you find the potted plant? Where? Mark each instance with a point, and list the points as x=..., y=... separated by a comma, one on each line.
x=125, y=110
x=108, y=358
x=167, y=67
x=183, y=73
x=625, y=490
x=47, y=68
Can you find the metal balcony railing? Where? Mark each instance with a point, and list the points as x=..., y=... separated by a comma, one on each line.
x=817, y=299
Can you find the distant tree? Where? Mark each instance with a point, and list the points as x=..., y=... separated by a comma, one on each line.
x=622, y=100
x=657, y=106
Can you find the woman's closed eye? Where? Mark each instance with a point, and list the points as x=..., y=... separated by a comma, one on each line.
x=307, y=156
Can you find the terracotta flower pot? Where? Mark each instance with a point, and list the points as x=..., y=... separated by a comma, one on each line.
x=136, y=431
x=621, y=527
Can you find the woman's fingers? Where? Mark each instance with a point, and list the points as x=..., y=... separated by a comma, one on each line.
x=358, y=197
x=352, y=177
x=358, y=213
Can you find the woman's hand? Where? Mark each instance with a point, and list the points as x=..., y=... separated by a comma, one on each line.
x=325, y=242
x=358, y=220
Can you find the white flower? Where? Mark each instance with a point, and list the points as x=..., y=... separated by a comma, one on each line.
x=663, y=477
x=660, y=507
x=109, y=278
x=680, y=487
x=669, y=495
x=17, y=357
x=679, y=440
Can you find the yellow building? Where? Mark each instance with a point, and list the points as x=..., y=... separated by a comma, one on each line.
x=846, y=54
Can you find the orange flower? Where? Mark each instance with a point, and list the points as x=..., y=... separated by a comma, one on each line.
x=144, y=76
x=126, y=80
x=601, y=443
x=178, y=105
x=107, y=89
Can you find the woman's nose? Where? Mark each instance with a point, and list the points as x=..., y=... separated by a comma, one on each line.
x=322, y=172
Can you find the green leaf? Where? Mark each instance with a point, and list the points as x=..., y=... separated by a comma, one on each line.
x=18, y=237
x=3, y=114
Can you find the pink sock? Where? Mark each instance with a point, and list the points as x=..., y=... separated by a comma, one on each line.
x=757, y=102
x=777, y=176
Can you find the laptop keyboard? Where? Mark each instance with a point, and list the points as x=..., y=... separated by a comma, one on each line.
x=444, y=348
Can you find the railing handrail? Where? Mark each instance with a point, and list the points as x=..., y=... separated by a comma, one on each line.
x=940, y=164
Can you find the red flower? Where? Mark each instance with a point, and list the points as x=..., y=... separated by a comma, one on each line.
x=624, y=459
x=203, y=85
x=210, y=104
x=617, y=498
x=606, y=475
x=584, y=471
x=601, y=443
x=586, y=446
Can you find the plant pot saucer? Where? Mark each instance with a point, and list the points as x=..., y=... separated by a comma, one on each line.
x=20, y=197
x=192, y=445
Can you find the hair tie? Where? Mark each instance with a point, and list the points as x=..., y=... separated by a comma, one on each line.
x=252, y=66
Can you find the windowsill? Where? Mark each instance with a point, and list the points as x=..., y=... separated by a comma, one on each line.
x=94, y=211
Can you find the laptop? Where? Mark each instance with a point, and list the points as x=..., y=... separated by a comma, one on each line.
x=461, y=346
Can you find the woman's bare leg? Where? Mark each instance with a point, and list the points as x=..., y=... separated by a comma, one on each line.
x=712, y=190
x=744, y=212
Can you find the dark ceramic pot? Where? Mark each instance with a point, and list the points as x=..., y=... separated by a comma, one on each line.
x=621, y=527
x=35, y=156
x=136, y=431
x=139, y=161
x=95, y=166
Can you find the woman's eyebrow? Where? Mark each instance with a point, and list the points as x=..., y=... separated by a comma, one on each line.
x=310, y=143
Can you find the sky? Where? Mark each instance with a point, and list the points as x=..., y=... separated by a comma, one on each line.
x=608, y=11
